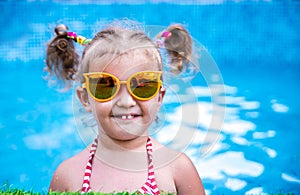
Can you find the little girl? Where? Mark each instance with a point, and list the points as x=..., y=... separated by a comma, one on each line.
x=121, y=84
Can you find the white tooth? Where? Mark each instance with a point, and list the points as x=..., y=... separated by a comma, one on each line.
x=123, y=117
x=129, y=116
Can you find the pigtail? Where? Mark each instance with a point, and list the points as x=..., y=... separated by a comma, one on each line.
x=62, y=59
x=178, y=44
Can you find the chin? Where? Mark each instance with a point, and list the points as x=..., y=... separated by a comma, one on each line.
x=127, y=136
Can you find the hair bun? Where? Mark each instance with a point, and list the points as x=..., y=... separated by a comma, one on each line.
x=61, y=29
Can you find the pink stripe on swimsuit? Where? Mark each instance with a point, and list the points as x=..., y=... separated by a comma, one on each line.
x=150, y=187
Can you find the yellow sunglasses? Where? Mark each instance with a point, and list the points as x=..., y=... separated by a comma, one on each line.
x=104, y=86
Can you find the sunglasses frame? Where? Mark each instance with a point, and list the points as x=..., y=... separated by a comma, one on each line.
x=86, y=84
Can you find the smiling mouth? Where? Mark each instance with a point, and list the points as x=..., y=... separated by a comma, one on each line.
x=126, y=116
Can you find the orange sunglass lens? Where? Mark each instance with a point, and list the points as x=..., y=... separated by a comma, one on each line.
x=144, y=85
x=103, y=87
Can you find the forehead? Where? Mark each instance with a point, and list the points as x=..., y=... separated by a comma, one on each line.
x=128, y=62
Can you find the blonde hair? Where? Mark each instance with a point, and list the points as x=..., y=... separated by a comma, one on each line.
x=179, y=47
x=115, y=41
x=120, y=37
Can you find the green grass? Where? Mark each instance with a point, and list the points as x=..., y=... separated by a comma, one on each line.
x=8, y=190
x=24, y=192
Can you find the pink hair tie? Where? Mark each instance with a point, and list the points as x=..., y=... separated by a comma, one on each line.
x=166, y=34
x=71, y=35
x=161, y=41
x=78, y=38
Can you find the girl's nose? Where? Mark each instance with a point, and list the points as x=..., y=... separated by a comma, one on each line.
x=124, y=98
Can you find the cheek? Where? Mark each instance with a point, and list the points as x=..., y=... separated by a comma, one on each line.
x=100, y=110
x=151, y=107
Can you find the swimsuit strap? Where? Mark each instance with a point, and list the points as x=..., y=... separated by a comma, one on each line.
x=150, y=187
x=88, y=169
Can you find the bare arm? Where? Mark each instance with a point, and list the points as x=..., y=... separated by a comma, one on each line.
x=187, y=179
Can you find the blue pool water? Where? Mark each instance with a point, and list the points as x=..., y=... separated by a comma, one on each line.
x=255, y=46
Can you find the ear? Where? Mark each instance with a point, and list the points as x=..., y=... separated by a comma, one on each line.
x=161, y=95
x=84, y=99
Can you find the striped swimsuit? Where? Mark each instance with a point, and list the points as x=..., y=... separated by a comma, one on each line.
x=150, y=187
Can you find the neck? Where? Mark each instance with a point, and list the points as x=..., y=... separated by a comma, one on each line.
x=124, y=154
x=136, y=144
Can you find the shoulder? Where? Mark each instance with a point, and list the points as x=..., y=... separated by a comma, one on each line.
x=69, y=174
x=182, y=169
x=173, y=157
x=183, y=161
x=186, y=176
x=170, y=156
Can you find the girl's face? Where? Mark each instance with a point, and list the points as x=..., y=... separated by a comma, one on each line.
x=124, y=117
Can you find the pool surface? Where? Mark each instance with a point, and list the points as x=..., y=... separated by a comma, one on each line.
x=255, y=46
